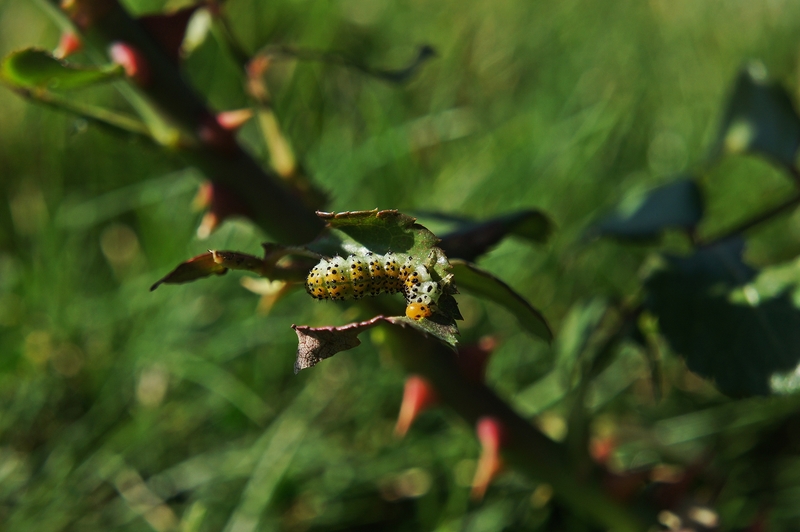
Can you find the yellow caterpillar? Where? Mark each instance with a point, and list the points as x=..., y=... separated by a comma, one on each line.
x=371, y=274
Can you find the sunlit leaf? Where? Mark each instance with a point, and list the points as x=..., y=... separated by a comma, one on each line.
x=485, y=285
x=761, y=119
x=711, y=315
x=32, y=68
x=641, y=216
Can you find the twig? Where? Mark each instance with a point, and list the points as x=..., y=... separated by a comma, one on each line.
x=109, y=119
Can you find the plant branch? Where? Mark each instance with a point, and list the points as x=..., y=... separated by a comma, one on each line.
x=104, y=117
x=526, y=448
x=271, y=204
x=282, y=214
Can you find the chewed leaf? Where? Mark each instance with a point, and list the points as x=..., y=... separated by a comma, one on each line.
x=379, y=232
x=317, y=344
x=32, y=68
x=761, y=119
x=472, y=239
x=676, y=205
x=483, y=284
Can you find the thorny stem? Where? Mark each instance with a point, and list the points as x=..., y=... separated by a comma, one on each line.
x=527, y=448
x=272, y=205
x=285, y=218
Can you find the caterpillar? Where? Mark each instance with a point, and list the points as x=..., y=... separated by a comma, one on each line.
x=371, y=274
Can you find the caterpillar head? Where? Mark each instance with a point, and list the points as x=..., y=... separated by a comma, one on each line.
x=417, y=311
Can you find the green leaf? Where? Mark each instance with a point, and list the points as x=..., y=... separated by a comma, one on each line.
x=580, y=324
x=711, y=314
x=483, y=284
x=761, y=119
x=472, y=239
x=37, y=69
x=315, y=344
x=377, y=231
x=645, y=216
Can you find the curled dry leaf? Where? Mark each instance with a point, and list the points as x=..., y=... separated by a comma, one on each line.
x=211, y=263
x=317, y=344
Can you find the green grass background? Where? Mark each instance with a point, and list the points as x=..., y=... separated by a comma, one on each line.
x=122, y=409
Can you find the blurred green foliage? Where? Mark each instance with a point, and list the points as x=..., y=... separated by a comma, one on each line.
x=129, y=410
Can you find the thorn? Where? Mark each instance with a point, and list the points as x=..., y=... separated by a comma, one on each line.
x=473, y=359
x=168, y=29
x=233, y=120
x=256, y=69
x=221, y=204
x=214, y=135
x=68, y=45
x=491, y=433
x=202, y=200
x=418, y=395
x=601, y=449
x=132, y=61
x=208, y=224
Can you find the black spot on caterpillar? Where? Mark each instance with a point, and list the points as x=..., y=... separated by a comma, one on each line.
x=371, y=274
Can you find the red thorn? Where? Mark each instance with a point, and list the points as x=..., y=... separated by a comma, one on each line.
x=601, y=449
x=473, y=359
x=418, y=395
x=213, y=135
x=205, y=193
x=68, y=45
x=492, y=434
x=233, y=120
x=132, y=61
x=168, y=30
x=256, y=69
x=221, y=203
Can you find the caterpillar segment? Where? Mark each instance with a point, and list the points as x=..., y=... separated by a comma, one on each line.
x=371, y=274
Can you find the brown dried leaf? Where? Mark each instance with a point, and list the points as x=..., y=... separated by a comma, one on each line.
x=195, y=268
